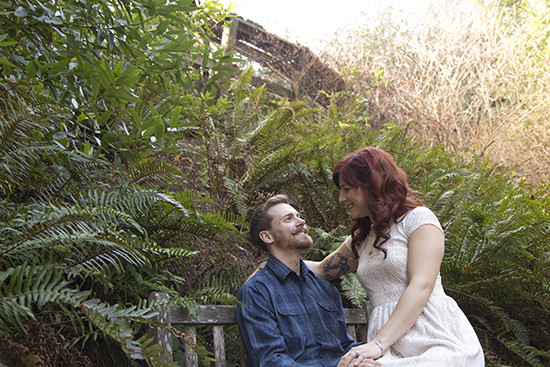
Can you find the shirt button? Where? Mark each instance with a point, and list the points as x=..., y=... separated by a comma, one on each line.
x=321, y=356
x=311, y=312
x=318, y=336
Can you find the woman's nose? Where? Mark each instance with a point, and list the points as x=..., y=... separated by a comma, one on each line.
x=342, y=197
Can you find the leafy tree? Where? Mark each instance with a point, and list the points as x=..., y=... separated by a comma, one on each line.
x=91, y=91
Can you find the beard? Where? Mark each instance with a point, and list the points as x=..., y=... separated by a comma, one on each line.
x=300, y=240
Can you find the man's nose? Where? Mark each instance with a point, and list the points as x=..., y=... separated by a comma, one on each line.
x=301, y=221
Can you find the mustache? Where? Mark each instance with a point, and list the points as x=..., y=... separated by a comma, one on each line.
x=300, y=229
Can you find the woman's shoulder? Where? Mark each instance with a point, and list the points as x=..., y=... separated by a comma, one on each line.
x=419, y=216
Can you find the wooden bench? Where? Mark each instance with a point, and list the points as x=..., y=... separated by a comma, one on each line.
x=218, y=317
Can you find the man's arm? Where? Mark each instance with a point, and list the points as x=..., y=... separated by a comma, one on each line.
x=257, y=323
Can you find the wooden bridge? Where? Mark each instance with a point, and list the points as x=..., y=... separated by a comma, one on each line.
x=294, y=63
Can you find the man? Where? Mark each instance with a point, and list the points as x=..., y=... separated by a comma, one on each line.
x=287, y=315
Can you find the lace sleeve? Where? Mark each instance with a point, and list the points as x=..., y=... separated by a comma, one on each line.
x=348, y=243
x=418, y=217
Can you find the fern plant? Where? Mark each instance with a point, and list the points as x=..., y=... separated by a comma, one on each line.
x=496, y=257
x=83, y=244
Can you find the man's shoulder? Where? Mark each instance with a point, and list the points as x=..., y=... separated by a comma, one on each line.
x=260, y=280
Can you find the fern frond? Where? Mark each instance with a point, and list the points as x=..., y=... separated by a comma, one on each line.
x=113, y=321
x=353, y=290
x=239, y=196
x=135, y=202
x=26, y=287
x=154, y=172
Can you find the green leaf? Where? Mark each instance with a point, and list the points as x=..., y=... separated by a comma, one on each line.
x=171, y=149
x=7, y=63
x=149, y=131
x=137, y=119
x=175, y=117
x=221, y=67
x=129, y=77
x=205, y=57
x=161, y=28
x=104, y=117
x=176, y=46
x=103, y=77
x=159, y=128
x=107, y=139
x=59, y=66
x=95, y=85
x=32, y=68
x=123, y=95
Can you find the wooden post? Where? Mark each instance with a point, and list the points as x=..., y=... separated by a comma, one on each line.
x=351, y=331
x=191, y=358
x=229, y=36
x=219, y=346
x=162, y=336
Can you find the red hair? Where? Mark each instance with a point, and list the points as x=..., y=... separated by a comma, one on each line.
x=388, y=195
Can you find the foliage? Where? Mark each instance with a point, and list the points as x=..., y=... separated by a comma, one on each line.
x=496, y=259
x=123, y=74
x=495, y=225
x=92, y=92
x=129, y=161
x=470, y=77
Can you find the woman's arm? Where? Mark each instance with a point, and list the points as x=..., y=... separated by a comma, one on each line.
x=426, y=249
x=339, y=263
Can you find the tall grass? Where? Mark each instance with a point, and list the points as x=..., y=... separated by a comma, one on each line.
x=469, y=77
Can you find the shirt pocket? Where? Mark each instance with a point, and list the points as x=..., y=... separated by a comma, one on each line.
x=329, y=314
x=291, y=323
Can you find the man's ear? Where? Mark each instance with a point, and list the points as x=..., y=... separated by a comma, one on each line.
x=266, y=237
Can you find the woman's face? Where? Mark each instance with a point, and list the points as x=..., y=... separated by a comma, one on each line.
x=354, y=199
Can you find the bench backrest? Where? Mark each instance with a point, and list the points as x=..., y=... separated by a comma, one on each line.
x=218, y=316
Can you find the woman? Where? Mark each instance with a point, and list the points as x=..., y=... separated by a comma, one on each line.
x=396, y=246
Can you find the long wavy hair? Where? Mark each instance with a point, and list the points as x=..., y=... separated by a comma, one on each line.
x=387, y=193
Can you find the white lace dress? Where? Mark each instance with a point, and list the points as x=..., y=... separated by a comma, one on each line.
x=442, y=335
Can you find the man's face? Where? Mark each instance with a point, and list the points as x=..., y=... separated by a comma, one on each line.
x=288, y=229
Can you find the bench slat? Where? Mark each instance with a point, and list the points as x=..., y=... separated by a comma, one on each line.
x=206, y=315
x=356, y=319
x=355, y=316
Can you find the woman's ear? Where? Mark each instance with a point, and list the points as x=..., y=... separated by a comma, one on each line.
x=266, y=237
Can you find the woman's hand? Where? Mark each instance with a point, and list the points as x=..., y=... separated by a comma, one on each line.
x=260, y=267
x=363, y=355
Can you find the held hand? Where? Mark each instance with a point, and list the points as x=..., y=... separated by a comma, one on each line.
x=361, y=356
x=260, y=267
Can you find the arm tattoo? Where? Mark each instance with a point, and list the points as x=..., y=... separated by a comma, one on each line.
x=336, y=266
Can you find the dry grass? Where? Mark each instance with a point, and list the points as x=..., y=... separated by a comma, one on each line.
x=470, y=78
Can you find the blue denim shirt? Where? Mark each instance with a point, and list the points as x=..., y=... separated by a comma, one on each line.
x=291, y=320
